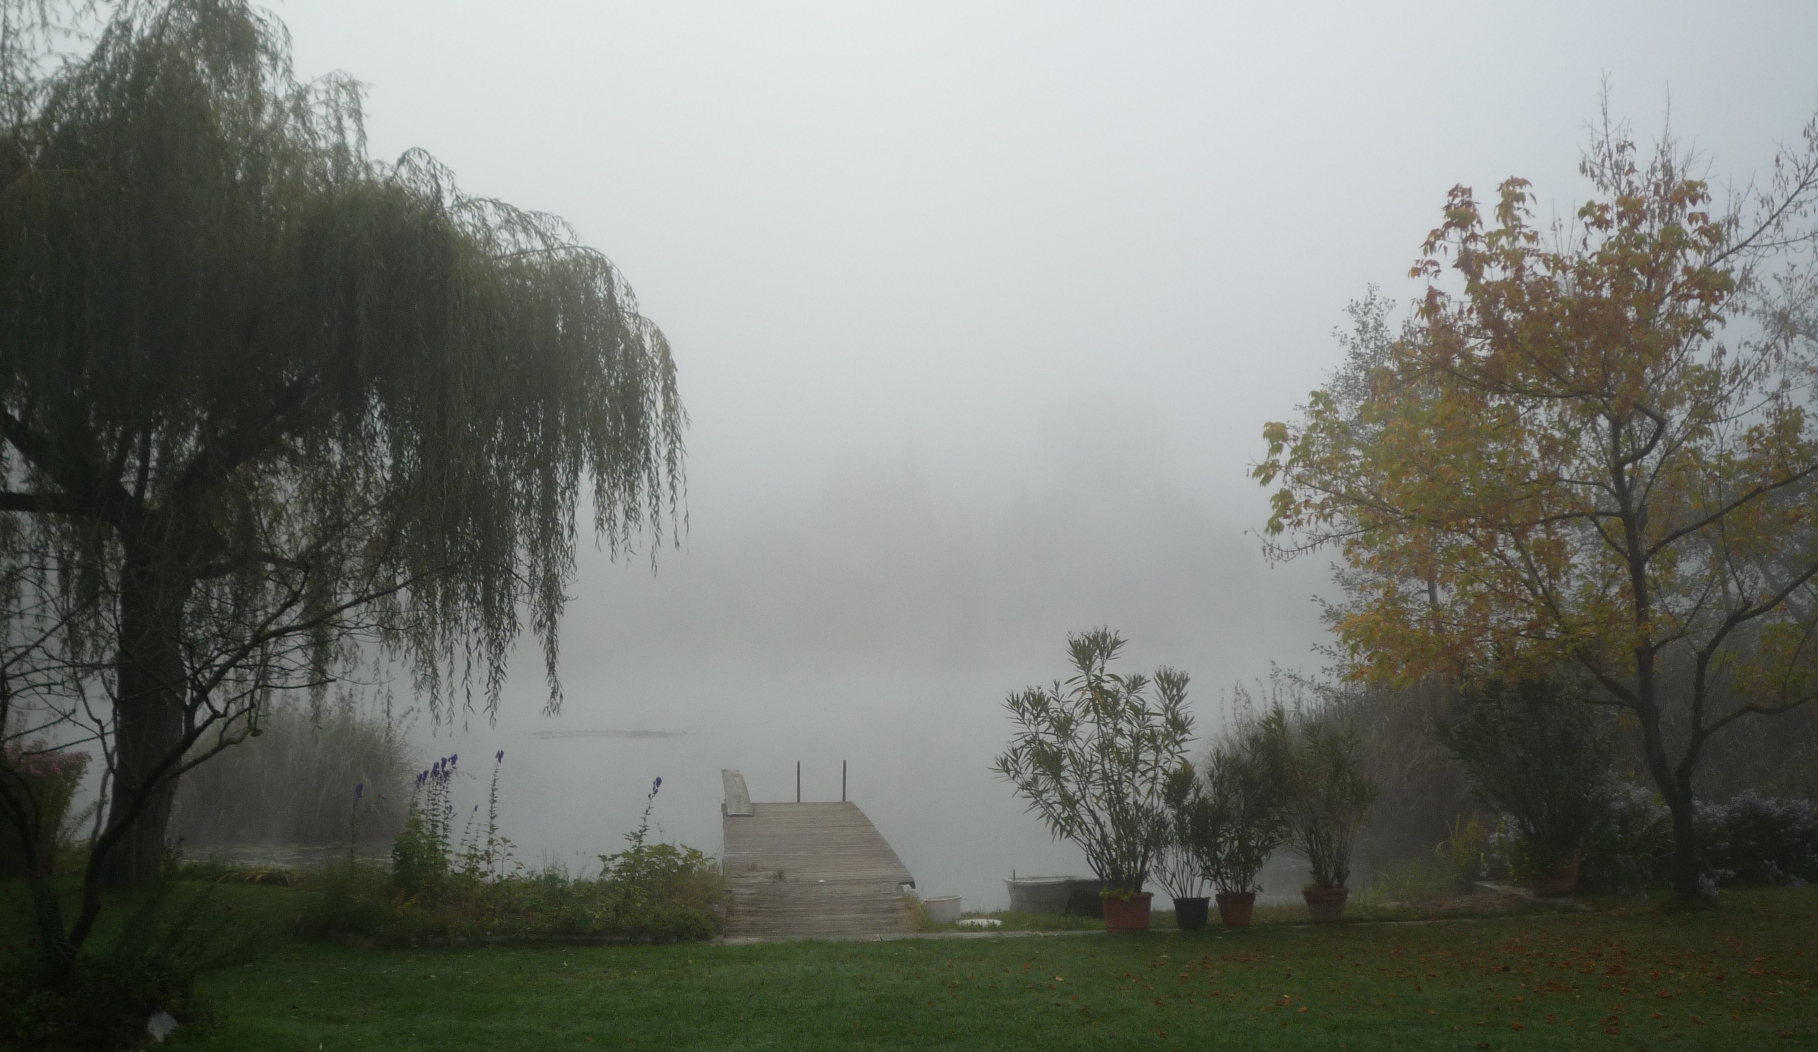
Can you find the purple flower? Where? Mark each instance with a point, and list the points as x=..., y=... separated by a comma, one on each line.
x=499, y=757
x=359, y=791
x=452, y=760
x=658, y=784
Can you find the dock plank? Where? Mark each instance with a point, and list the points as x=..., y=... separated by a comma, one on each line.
x=819, y=870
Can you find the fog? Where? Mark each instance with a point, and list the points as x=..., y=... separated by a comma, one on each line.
x=979, y=311
x=880, y=620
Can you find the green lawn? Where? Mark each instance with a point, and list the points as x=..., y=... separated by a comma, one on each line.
x=1739, y=977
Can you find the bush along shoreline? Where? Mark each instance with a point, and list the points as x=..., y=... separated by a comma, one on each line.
x=462, y=886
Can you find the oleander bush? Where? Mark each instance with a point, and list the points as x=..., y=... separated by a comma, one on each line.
x=1325, y=793
x=1093, y=755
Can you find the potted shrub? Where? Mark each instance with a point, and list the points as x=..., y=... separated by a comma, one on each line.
x=1325, y=795
x=1246, y=809
x=1093, y=755
x=1192, y=842
x=1537, y=752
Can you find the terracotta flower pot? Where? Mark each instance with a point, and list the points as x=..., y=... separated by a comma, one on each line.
x=1327, y=905
x=1190, y=913
x=1234, y=908
x=1131, y=914
x=1558, y=882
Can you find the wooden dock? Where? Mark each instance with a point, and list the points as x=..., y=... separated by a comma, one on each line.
x=817, y=870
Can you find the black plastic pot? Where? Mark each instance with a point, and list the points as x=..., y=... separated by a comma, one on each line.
x=1190, y=914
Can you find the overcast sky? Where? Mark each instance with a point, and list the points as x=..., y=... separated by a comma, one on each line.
x=979, y=310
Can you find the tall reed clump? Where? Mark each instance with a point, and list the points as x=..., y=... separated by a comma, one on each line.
x=290, y=784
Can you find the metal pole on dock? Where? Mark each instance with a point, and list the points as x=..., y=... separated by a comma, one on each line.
x=798, y=781
x=842, y=781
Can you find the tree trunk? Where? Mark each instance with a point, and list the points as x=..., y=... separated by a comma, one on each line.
x=149, y=707
x=1685, y=848
x=1678, y=795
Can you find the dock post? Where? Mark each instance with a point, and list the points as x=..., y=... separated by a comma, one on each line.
x=798, y=781
x=842, y=781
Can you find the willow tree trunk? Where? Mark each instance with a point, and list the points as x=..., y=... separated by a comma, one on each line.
x=150, y=713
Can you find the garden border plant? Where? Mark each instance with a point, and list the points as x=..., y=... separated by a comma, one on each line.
x=466, y=888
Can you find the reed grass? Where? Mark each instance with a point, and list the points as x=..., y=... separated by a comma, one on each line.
x=295, y=783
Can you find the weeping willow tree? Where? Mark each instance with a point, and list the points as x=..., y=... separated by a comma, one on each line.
x=269, y=405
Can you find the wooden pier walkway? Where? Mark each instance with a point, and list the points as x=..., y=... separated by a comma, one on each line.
x=817, y=870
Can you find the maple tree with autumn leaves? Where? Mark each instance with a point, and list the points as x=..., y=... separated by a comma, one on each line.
x=1591, y=445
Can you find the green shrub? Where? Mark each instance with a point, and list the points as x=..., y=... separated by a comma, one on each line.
x=351, y=899
x=661, y=890
x=1758, y=840
x=362, y=902
x=102, y=1003
x=1536, y=751
x=439, y=890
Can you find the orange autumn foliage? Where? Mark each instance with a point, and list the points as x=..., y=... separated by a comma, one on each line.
x=1589, y=446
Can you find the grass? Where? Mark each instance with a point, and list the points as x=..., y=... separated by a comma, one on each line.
x=1621, y=977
